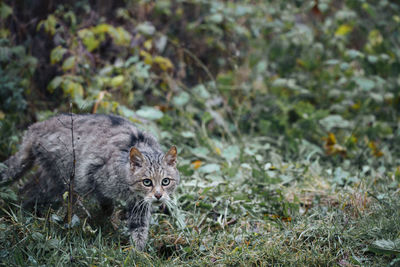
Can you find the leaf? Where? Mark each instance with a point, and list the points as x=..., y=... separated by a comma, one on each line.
x=49, y=24
x=53, y=243
x=5, y=10
x=102, y=28
x=57, y=54
x=332, y=147
x=334, y=121
x=146, y=28
x=230, y=153
x=343, y=30
x=69, y=63
x=75, y=90
x=364, y=83
x=163, y=62
x=89, y=39
x=352, y=53
x=75, y=221
x=121, y=36
x=117, y=81
x=201, y=91
x=201, y=152
x=209, y=168
x=160, y=43
x=55, y=83
x=37, y=236
x=374, y=149
x=188, y=134
x=147, y=58
x=383, y=246
x=197, y=164
x=181, y=99
x=216, y=18
x=149, y=113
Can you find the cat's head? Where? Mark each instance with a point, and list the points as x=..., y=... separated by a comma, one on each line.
x=153, y=176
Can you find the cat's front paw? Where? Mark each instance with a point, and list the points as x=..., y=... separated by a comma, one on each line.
x=139, y=238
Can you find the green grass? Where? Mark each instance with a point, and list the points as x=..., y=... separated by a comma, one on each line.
x=227, y=225
x=285, y=115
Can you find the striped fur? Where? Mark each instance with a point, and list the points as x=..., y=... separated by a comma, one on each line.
x=113, y=158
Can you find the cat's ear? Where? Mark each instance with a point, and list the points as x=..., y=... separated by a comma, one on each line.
x=136, y=158
x=170, y=156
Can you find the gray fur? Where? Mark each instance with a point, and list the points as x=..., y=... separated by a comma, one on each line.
x=112, y=159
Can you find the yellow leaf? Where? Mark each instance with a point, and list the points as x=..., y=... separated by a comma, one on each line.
x=2, y=115
x=148, y=44
x=121, y=36
x=147, y=58
x=374, y=149
x=73, y=89
x=117, y=81
x=196, y=164
x=164, y=63
x=356, y=106
x=4, y=33
x=217, y=150
x=102, y=28
x=343, y=30
x=235, y=250
x=332, y=147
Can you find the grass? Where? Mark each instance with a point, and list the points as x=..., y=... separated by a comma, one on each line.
x=288, y=157
x=304, y=223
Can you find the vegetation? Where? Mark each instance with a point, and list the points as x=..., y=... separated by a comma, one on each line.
x=285, y=115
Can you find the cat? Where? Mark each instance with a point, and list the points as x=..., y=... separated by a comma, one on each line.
x=113, y=161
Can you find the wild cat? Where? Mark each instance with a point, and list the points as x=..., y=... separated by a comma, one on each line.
x=113, y=161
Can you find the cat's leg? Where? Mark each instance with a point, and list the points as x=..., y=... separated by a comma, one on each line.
x=138, y=223
x=15, y=166
x=106, y=204
x=42, y=191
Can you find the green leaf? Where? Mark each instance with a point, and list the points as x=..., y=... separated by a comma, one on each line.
x=364, y=83
x=230, y=153
x=201, y=152
x=149, y=113
x=146, y=28
x=57, y=54
x=5, y=10
x=117, y=81
x=209, y=168
x=201, y=91
x=216, y=18
x=188, y=134
x=54, y=83
x=69, y=63
x=333, y=121
x=37, y=236
x=383, y=246
x=181, y=99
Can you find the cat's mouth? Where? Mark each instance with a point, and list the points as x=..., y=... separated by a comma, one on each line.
x=157, y=203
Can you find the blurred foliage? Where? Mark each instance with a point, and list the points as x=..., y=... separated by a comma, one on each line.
x=277, y=108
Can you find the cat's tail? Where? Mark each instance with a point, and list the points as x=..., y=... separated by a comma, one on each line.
x=14, y=167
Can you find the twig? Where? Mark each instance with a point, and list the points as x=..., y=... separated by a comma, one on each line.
x=79, y=202
x=195, y=58
x=72, y=176
x=379, y=200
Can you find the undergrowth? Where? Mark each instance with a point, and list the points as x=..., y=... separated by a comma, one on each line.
x=285, y=115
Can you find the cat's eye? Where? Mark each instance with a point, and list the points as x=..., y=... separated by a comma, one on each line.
x=147, y=182
x=165, y=181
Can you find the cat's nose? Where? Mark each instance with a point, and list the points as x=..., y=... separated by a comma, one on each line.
x=158, y=195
